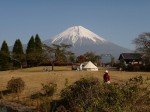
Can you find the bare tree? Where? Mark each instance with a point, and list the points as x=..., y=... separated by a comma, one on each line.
x=142, y=43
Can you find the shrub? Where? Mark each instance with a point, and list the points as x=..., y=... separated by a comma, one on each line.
x=89, y=95
x=83, y=94
x=45, y=104
x=44, y=97
x=16, y=85
x=66, y=82
x=49, y=88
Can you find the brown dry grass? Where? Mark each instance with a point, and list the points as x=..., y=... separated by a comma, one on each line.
x=33, y=77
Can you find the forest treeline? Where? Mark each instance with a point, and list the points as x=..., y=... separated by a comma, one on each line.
x=37, y=53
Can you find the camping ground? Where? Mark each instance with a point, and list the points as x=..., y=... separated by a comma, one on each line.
x=33, y=77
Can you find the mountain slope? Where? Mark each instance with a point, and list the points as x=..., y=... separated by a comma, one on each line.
x=84, y=40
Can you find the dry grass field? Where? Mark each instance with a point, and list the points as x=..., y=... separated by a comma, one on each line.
x=33, y=77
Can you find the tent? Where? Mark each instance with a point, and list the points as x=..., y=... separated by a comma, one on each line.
x=90, y=67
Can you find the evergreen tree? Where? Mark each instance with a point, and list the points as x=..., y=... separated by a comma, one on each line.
x=30, y=52
x=38, y=49
x=4, y=56
x=18, y=55
x=5, y=49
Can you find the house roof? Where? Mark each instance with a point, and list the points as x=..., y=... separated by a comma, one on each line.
x=132, y=56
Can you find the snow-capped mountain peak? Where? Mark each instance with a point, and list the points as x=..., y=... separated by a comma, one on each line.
x=83, y=40
x=77, y=34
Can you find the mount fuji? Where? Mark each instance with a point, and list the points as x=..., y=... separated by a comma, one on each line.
x=84, y=40
x=78, y=35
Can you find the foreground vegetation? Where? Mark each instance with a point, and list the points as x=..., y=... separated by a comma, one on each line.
x=78, y=91
x=90, y=95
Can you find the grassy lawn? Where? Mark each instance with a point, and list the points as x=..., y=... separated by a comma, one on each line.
x=33, y=77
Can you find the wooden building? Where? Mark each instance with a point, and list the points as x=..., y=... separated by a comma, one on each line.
x=130, y=58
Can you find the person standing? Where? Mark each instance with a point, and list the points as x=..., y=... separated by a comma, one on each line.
x=106, y=77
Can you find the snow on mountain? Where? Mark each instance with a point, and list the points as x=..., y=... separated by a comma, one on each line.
x=77, y=34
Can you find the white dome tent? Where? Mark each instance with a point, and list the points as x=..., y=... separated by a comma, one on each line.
x=90, y=67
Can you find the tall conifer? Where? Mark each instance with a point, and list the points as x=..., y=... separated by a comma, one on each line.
x=4, y=56
x=30, y=52
x=18, y=54
x=38, y=49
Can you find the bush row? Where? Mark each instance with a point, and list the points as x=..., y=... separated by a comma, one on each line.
x=91, y=95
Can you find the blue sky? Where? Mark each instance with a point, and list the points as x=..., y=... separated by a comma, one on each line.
x=119, y=21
